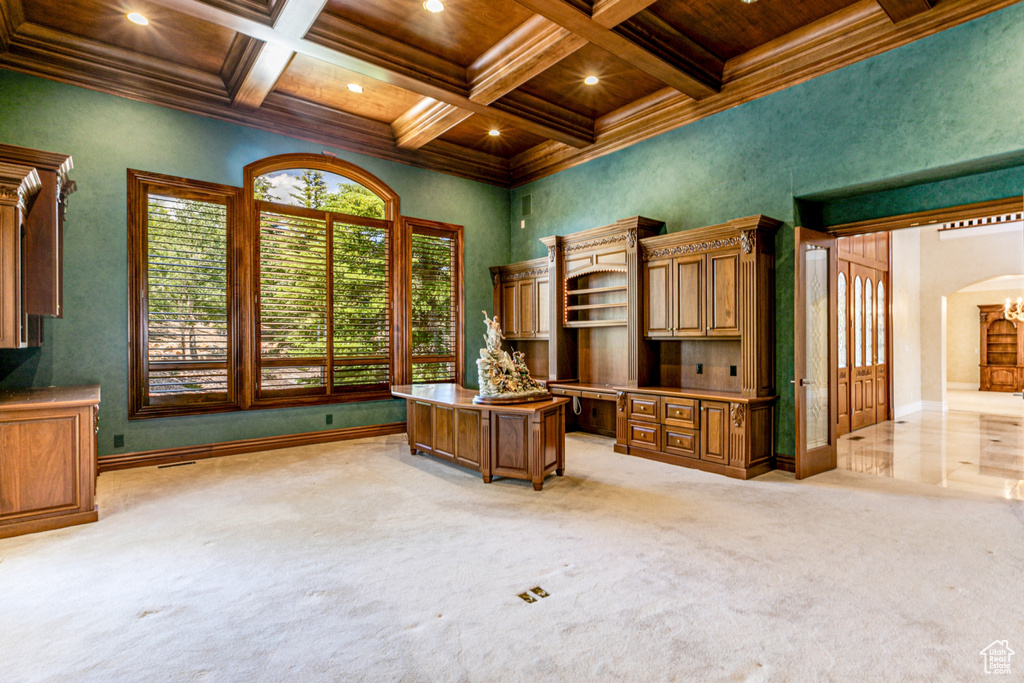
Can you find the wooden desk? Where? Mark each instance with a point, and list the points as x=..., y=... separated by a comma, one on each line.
x=47, y=458
x=520, y=441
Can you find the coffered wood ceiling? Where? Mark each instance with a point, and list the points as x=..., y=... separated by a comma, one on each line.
x=435, y=85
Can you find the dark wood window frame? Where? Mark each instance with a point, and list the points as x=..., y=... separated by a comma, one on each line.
x=140, y=404
x=244, y=278
x=455, y=233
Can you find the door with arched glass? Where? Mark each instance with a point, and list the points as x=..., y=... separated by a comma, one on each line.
x=863, y=331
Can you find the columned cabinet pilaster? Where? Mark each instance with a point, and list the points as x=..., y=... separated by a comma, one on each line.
x=18, y=186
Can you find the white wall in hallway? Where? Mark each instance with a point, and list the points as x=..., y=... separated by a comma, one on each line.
x=906, y=320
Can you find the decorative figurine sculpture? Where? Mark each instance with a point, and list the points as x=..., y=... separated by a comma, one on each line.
x=504, y=378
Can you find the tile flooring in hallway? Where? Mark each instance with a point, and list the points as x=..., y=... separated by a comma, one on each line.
x=959, y=449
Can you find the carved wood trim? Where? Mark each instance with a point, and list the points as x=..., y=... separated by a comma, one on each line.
x=692, y=248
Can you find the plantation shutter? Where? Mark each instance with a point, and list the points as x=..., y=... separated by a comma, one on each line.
x=324, y=310
x=186, y=305
x=362, y=303
x=435, y=304
x=292, y=301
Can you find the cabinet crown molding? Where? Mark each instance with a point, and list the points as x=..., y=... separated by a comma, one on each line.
x=741, y=232
x=18, y=183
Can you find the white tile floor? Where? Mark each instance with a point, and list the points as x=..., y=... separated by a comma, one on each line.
x=963, y=449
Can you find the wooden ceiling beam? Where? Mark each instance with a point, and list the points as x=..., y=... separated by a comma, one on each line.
x=899, y=10
x=341, y=43
x=256, y=75
x=672, y=58
x=67, y=58
x=532, y=48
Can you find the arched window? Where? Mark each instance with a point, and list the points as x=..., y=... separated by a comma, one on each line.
x=843, y=322
x=858, y=324
x=881, y=322
x=324, y=239
x=869, y=304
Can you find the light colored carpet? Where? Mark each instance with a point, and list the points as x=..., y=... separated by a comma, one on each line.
x=358, y=561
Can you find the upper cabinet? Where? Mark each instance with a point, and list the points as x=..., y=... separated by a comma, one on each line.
x=33, y=192
x=522, y=299
x=716, y=282
x=693, y=296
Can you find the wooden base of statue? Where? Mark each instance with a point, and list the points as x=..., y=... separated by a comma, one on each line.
x=511, y=400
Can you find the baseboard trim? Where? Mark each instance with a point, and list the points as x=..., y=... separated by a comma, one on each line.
x=907, y=409
x=786, y=463
x=939, y=406
x=963, y=386
x=165, y=456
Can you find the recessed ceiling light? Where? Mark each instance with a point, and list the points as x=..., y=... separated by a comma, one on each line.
x=494, y=132
x=749, y=2
x=590, y=80
x=137, y=18
x=434, y=6
x=355, y=87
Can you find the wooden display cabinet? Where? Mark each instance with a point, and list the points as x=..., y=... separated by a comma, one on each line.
x=47, y=458
x=1002, y=351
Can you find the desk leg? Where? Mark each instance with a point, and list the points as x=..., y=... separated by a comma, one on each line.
x=560, y=466
x=535, y=451
x=485, y=445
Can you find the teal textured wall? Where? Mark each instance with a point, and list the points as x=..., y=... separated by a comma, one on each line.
x=942, y=106
x=106, y=135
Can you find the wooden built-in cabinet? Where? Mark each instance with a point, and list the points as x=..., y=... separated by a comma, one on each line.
x=522, y=299
x=640, y=321
x=33, y=194
x=725, y=434
x=1002, y=350
x=47, y=458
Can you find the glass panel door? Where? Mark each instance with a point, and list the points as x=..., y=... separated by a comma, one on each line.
x=815, y=381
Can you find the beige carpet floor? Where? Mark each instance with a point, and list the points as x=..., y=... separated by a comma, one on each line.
x=358, y=561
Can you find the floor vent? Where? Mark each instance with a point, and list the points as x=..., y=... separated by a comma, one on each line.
x=536, y=590
x=176, y=464
x=856, y=438
x=901, y=422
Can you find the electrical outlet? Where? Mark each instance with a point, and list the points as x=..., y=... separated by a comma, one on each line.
x=118, y=440
x=700, y=368
x=330, y=419
x=593, y=413
x=732, y=370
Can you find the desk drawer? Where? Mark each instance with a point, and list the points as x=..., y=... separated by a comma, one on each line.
x=559, y=391
x=682, y=442
x=681, y=412
x=644, y=435
x=643, y=407
x=597, y=395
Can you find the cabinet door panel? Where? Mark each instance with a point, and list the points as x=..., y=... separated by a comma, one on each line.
x=688, y=297
x=467, y=447
x=543, y=307
x=444, y=431
x=527, y=311
x=423, y=425
x=510, y=448
x=723, y=294
x=658, y=299
x=38, y=464
x=509, y=309
x=714, y=431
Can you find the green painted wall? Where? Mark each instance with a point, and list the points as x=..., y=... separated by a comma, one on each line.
x=106, y=135
x=950, y=102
